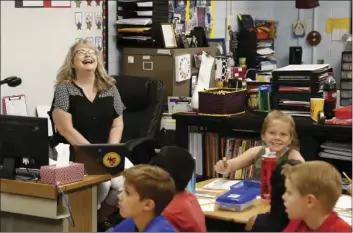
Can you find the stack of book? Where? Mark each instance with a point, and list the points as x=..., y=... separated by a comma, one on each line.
x=218, y=147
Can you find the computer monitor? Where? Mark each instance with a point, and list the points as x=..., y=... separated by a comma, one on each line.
x=23, y=143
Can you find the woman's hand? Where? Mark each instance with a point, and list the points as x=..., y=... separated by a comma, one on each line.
x=222, y=167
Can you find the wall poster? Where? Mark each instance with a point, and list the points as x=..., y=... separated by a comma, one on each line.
x=186, y=14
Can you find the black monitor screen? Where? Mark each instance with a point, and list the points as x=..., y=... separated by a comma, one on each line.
x=25, y=139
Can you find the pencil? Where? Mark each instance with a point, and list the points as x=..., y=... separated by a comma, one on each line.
x=225, y=163
x=345, y=175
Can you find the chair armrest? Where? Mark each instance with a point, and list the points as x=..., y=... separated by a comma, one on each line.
x=142, y=150
x=145, y=141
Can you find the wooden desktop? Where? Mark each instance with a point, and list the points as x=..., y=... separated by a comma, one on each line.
x=31, y=206
x=260, y=206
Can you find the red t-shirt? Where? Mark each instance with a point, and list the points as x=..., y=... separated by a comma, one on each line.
x=185, y=214
x=332, y=224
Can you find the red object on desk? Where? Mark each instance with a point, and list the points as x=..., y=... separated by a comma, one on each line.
x=53, y=174
x=344, y=112
x=268, y=164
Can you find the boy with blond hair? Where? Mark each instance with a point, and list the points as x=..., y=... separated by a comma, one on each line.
x=147, y=191
x=312, y=190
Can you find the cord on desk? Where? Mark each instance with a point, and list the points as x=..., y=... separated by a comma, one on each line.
x=32, y=176
x=71, y=218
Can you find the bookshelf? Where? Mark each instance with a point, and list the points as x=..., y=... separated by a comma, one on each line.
x=248, y=127
x=346, y=79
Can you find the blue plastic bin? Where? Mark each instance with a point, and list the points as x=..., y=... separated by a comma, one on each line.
x=240, y=197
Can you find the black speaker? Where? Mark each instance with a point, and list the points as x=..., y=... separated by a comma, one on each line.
x=8, y=170
x=295, y=55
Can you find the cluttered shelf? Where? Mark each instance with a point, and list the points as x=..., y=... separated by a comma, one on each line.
x=137, y=20
x=253, y=122
x=209, y=143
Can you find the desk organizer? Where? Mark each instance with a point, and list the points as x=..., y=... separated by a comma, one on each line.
x=222, y=101
x=240, y=197
x=52, y=174
x=297, y=85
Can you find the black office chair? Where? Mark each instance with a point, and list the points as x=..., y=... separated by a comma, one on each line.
x=143, y=99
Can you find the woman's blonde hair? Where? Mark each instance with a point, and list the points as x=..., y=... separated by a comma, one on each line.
x=278, y=115
x=66, y=73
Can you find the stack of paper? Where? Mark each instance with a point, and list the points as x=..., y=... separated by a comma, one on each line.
x=207, y=205
x=335, y=150
x=221, y=184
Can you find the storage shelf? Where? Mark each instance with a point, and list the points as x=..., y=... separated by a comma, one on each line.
x=157, y=11
x=346, y=79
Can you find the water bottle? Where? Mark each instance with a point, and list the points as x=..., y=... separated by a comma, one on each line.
x=268, y=164
x=191, y=187
x=330, y=96
x=265, y=98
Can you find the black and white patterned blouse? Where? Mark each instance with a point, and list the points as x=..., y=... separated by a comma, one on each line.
x=91, y=119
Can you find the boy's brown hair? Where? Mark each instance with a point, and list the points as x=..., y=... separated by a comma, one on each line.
x=318, y=178
x=151, y=182
x=278, y=115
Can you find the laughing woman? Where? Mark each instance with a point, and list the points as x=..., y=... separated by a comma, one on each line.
x=87, y=109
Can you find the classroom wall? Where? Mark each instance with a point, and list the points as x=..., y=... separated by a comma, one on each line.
x=285, y=12
x=34, y=43
x=330, y=51
x=48, y=33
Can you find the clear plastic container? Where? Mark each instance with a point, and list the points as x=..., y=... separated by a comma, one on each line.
x=240, y=197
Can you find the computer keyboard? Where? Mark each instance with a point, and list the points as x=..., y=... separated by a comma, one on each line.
x=29, y=172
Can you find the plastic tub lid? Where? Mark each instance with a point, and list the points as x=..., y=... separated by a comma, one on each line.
x=239, y=196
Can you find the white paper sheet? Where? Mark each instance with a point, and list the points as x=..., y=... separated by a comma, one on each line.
x=208, y=208
x=221, y=184
x=63, y=155
x=33, y=3
x=344, y=202
x=15, y=105
x=337, y=34
x=205, y=201
x=61, y=3
x=203, y=81
x=309, y=67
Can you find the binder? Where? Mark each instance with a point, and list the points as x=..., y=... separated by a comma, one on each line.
x=14, y=105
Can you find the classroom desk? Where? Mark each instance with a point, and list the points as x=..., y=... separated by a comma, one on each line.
x=260, y=206
x=30, y=206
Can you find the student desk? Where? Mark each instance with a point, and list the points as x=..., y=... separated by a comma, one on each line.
x=260, y=206
x=30, y=206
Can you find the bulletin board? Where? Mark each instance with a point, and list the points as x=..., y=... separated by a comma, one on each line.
x=105, y=33
x=187, y=14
